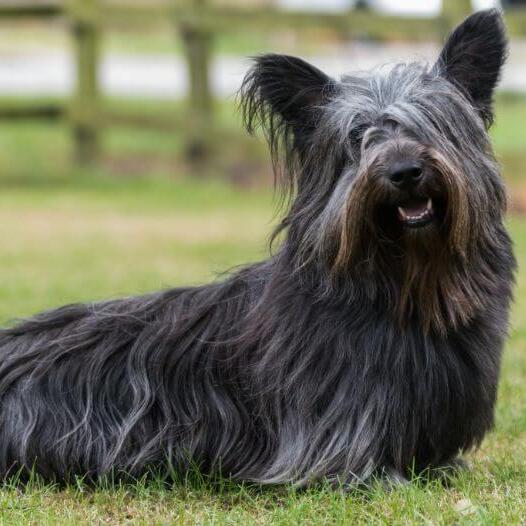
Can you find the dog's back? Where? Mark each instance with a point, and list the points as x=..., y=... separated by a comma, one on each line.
x=115, y=387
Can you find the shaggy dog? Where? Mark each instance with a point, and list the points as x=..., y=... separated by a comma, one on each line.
x=369, y=343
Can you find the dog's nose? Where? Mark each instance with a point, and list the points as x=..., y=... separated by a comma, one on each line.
x=405, y=175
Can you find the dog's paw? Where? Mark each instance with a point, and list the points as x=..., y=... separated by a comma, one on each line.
x=449, y=469
x=389, y=478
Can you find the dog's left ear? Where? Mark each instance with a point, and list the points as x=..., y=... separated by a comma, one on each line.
x=283, y=94
x=473, y=56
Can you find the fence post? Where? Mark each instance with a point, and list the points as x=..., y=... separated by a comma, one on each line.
x=454, y=11
x=198, y=46
x=85, y=106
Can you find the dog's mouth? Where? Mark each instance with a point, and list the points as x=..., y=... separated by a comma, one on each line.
x=416, y=213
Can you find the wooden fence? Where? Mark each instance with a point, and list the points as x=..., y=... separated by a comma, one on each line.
x=197, y=21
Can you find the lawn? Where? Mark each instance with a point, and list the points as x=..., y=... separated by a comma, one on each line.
x=83, y=236
x=101, y=238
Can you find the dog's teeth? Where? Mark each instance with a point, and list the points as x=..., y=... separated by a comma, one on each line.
x=416, y=217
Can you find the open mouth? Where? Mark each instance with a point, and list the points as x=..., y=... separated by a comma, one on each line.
x=416, y=214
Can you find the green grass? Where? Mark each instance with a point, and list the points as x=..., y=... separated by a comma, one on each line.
x=97, y=237
x=68, y=235
x=167, y=232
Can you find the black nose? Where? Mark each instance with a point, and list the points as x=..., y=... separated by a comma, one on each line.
x=405, y=175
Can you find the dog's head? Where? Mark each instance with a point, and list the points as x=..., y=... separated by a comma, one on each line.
x=392, y=171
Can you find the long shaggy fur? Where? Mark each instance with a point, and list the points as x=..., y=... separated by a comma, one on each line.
x=358, y=348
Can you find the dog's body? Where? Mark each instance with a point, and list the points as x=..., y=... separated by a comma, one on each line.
x=369, y=343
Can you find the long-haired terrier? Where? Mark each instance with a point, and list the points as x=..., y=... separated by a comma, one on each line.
x=368, y=343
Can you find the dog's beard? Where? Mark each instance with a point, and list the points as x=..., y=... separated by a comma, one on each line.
x=421, y=271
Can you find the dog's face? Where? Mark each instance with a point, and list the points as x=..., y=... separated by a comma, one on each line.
x=417, y=168
x=399, y=156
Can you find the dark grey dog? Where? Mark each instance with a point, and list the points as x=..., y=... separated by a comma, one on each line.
x=369, y=343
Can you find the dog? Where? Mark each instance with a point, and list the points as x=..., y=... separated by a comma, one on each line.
x=368, y=343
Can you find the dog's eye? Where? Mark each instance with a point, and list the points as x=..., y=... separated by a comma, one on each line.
x=391, y=124
x=356, y=135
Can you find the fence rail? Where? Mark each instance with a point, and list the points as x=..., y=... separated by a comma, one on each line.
x=23, y=9
x=196, y=21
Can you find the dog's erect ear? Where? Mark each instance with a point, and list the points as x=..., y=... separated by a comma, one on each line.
x=473, y=56
x=282, y=93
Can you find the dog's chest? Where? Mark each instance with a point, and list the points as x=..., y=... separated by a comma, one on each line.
x=425, y=395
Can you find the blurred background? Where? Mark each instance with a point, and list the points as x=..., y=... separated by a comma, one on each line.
x=123, y=163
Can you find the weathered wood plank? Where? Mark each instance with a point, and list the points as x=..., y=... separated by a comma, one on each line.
x=516, y=21
x=221, y=18
x=227, y=18
x=453, y=12
x=28, y=9
x=84, y=111
x=198, y=52
x=231, y=18
x=31, y=110
x=168, y=123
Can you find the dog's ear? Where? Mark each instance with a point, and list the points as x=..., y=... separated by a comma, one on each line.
x=473, y=56
x=281, y=93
